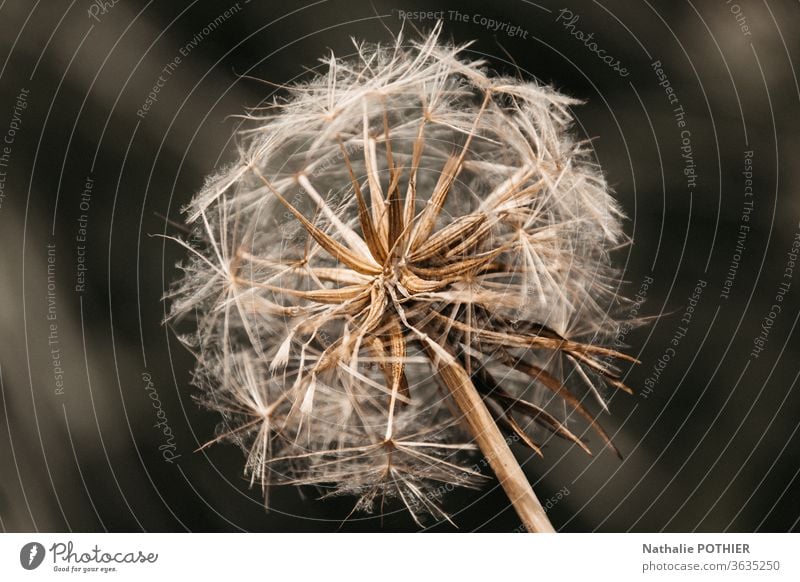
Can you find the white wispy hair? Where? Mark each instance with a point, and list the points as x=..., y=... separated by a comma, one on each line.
x=407, y=247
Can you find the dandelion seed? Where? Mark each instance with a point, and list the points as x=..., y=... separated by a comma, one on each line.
x=451, y=255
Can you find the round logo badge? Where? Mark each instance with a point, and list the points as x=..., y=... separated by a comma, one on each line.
x=31, y=555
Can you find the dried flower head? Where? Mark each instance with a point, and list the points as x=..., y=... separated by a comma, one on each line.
x=408, y=262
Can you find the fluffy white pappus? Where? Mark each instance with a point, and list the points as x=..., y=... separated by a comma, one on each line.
x=396, y=227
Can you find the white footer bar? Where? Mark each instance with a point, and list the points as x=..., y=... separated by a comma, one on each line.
x=399, y=557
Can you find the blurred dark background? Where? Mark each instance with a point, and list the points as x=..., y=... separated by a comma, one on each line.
x=710, y=440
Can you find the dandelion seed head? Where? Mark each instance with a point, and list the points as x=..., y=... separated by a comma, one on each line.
x=397, y=222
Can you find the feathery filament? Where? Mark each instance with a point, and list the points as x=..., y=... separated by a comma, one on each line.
x=408, y=262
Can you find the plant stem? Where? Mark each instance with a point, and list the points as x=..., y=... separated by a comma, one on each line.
x=495, y=448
